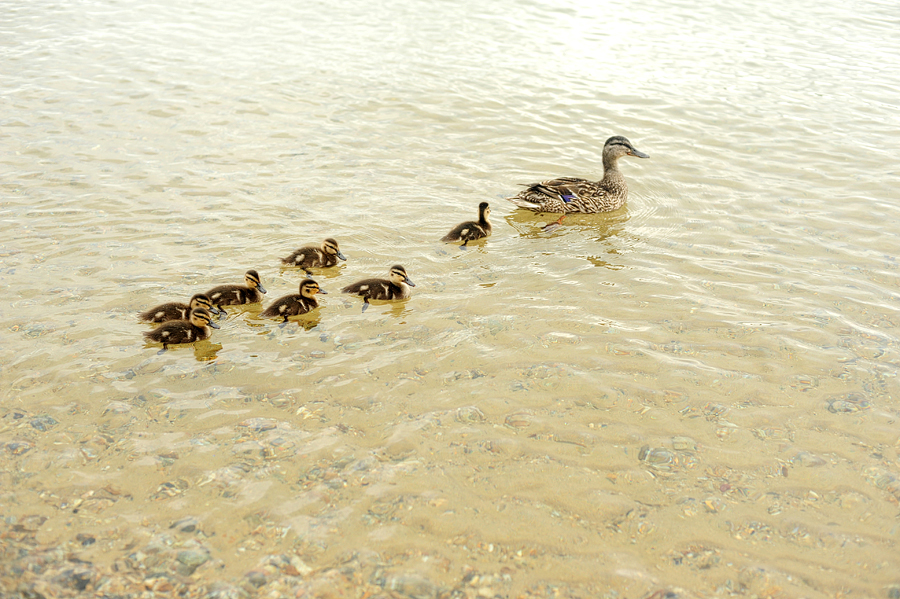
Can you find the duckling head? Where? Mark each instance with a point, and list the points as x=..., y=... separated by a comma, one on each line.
x=330, y=246
x=308, y=288
x=253, y=281
x=484, y=210
x=200, y=300
x=398, y=275
x=618, y=146
x=200, y=317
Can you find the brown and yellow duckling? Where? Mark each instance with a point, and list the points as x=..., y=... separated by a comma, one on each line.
x=178, y=310
x=195, y=328
x=234, y=295
x=472, y=230
x=396, y=287
x=570, y=194
x=295, y=304
x=315, y=256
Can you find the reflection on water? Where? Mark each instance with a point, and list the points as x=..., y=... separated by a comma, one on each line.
x=205, y=351
x=306, y=323
x=712, y=411
x=610, y=232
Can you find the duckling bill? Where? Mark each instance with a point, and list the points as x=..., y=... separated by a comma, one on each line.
x=396, y=287
x=312, y=256
x=472, y=230
x=571, y=194
x=195, y=328
x=234, y=295
x=295, y=304
x=178, y=310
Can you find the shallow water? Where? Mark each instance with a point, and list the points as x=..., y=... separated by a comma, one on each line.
x=697, y=393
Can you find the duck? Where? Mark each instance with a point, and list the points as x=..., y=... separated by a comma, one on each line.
x=195, y=328
x=178, y=310
x=396, y=287
x=233, y=295
x=472, y=230
x=313, y=256
x=571, y=194
x=294, y=304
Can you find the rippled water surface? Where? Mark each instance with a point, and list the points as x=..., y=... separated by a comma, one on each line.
x=696, y=394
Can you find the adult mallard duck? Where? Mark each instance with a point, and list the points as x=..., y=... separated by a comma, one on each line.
x=313, y=256
x=233, y=295
x=294, y=304
x=472, y=230
x=570, y=194
x=195, y=328
x=395, y=287
x=177, y=310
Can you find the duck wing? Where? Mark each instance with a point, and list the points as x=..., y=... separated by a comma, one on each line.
x=565, y=194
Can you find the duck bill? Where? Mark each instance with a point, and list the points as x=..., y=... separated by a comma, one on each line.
x=321, y=291
x=213, y=325
x=261, y=288
x=341, y=256
x=638, y=154
x=410, y=283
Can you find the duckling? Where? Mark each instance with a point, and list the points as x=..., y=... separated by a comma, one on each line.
x=195, y=328
x=570, y=194
x=472, y=230
x=310, y=256
x=233, y=295
x=177, y=310
x=293, y=305
x=394, y=288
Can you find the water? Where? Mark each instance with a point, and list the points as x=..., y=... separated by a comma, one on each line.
x=697, y=392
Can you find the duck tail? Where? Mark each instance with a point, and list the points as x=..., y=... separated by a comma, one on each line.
x=523, y=203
